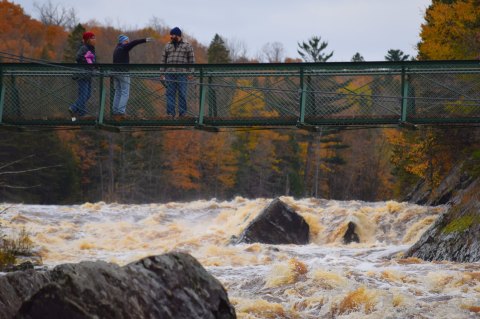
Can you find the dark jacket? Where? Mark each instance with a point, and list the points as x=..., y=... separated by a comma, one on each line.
x=121, y=53
x=86, y=54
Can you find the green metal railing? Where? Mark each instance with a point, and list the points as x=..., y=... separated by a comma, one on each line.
x=239, y=95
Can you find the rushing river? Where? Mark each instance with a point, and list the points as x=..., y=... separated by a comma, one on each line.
x=325, y=279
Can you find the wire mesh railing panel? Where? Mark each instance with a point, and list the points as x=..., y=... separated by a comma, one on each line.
x=353, y=97
x=444, y=96
x=249, y=95
x=43, y=98
x=152, y=95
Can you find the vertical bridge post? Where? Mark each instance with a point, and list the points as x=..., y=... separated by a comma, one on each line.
x=2, y=91
x=303, y=96
x=101, y=113
x=405, y=98
x=201, y=108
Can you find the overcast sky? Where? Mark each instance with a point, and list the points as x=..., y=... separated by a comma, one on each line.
x=370, y=27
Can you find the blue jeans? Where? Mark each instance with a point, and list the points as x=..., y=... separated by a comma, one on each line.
x=176, y=83
x=84, y=93
x=122, y=92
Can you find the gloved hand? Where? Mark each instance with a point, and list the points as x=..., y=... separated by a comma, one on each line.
x=149, y=39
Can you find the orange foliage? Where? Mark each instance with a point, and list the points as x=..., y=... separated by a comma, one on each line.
x=217, y=162
x=84, y=150
x=182, y=159
x=24, y=36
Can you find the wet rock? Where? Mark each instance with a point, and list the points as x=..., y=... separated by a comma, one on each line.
x=456, y=181
x=173, y=285
x=22, y=266
x=277, y=224
x=16, y=287
x=350, y=235
x=454, y=235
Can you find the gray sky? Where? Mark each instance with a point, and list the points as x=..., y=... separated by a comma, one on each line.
x=370, y=27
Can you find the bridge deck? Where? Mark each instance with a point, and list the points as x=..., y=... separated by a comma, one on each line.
x=241, y=95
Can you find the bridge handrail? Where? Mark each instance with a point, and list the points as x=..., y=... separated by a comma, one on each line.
x=300, y=94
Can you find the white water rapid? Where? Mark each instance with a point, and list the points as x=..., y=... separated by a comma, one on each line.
x=325, y=279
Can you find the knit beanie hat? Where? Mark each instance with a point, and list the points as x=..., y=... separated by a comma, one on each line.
x=88, y=35
x=176, y=31
x=122, y=37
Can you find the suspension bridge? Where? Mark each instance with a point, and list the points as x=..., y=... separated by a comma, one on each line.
x=37, y=95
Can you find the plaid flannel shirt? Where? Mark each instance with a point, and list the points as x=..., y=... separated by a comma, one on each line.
x=182, y=54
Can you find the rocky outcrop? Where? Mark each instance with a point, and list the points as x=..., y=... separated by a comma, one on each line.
x=277, y=224
x=173, y=285
x=454, y=235
x=456, y=181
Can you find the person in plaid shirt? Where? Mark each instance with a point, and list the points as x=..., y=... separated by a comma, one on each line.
x=177, y=51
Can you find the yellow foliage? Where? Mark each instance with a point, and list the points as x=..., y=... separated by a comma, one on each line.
x=450, y=31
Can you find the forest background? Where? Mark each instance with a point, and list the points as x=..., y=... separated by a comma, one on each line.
x=65, y=167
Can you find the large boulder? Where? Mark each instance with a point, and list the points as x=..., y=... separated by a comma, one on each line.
x=17, y=287
x=173, y=285
x=277, y=224
x=454, y=235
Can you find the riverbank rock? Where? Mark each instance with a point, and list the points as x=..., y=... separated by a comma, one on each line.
x=454, y=235
x=278, y=223
x=17, y=287
x=456, y=181
x=173, y=285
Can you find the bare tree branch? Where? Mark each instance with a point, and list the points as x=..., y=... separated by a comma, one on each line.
x=29, y=170
x=272, y=52
x=237, y=49
x=5, y=185
x=14, y=162
x=54, y=14
x=18, y=187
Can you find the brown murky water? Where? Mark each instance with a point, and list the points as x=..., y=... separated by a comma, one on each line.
x=325, y=279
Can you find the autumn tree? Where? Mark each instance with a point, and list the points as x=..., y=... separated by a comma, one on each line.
x=451, y=31
x=218, y=165
x=217, y=51
x=24, y=38
x=311, y=51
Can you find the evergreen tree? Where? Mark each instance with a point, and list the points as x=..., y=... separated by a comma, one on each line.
x=357, y=57
x=73, y=42
x=311, y=51
x=396, y=55
x=217, y=51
